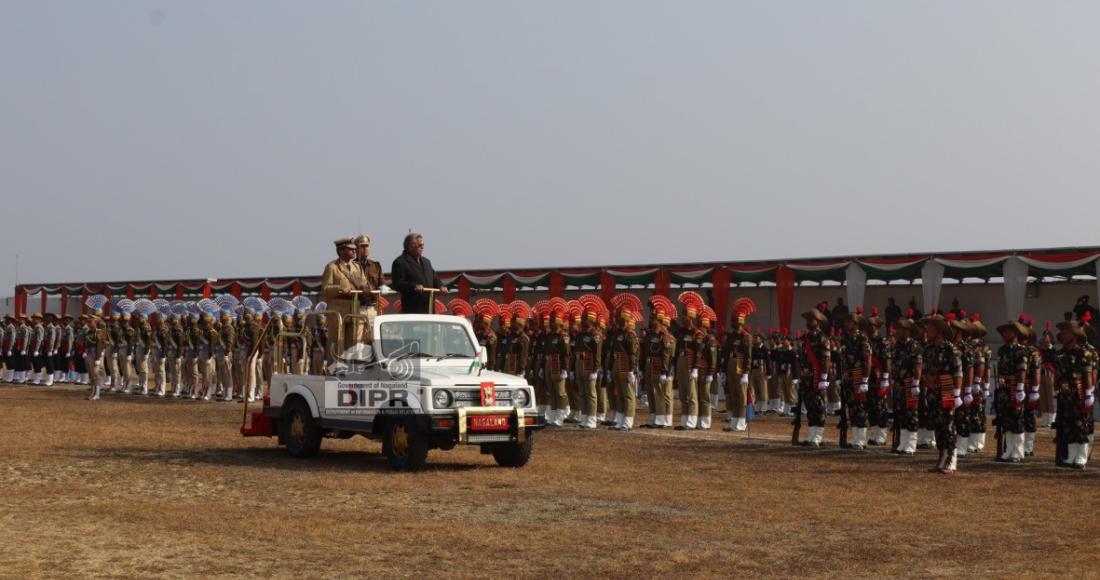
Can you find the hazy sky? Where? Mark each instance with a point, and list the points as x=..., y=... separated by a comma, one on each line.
x=147, y=140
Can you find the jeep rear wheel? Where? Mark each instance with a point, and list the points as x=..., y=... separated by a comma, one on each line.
x=405, y=448
x=302, y=435
x=514, y=454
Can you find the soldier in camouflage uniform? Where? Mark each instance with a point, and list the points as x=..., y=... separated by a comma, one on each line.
x=882, y=361
x=979, y=388
x=942, y=375
x=1031, y=408
x=855, y=388
x=1012, y=378
x=958, y=332
x=1075, y=381
x=908, y=366
x=814, y=362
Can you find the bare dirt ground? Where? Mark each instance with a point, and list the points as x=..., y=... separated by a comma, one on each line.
x=139, y=487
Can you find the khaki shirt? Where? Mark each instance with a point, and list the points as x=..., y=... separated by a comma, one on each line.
x=342, y=277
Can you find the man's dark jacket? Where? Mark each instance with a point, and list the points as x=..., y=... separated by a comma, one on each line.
x=408, y=271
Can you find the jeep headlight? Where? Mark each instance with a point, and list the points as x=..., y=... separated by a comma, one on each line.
x=442, y=399
x=520, y=398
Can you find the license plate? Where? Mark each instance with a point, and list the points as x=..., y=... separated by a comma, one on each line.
x=489, y=423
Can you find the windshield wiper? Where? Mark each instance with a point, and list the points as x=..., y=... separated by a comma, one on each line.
x=452, y=355
x=406, y=355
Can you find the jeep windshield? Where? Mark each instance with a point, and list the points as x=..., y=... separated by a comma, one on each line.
x=426, y=339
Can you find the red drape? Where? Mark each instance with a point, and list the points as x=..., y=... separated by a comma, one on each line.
x=784, y=295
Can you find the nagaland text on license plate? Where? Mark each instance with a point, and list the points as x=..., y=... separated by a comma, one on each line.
x=489, y=422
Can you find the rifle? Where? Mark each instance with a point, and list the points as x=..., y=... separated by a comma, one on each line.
x=1061, y=446
x=844, y=413
x=895, y=429
x=999, y=432
x=797, y=417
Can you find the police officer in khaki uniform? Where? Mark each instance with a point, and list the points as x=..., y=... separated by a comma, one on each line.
x=372, y=271
x=344, y=286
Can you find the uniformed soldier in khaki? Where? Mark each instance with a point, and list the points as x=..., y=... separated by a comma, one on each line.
x=658, y=349
x=588, y=351
x=688, y=344
x=95, y=340
x=344, y=286
x=372, y=271
x=736, y=358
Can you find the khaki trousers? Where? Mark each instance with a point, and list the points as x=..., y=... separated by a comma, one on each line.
x=225, y=375
x=689, y=397
x=737, y=395
x=589, y=396
x=94, y=364
x=158, y=372
x=786, y=389
x=759, y=383
x=627, y=394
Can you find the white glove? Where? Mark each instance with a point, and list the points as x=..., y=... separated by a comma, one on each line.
x=710, y=378
x=885, y=377
x=1089, y=400
x=564, y=375
x=630, y=376
x=695, y=373
x=1020, y=387
x=863, y=388
x=968, y=399
x=1020, y=396
x=744, y=378
x=1033, y=397
x=822, y=385
x=36, y=353
x=593, y=376
x=53, y=353
x=664, y=378
x=958, y=402
x=129, y=357
x=540, y=373
x=915, y=391
x=824, y=377
x=885, y=384
x=987, y=392
x=769, y=377
x=796, y=382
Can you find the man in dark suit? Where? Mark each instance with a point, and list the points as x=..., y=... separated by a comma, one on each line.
x=411, y=274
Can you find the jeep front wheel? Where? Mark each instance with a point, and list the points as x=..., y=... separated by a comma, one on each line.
x=514, y=454
x=302, y=435
x=405, y=448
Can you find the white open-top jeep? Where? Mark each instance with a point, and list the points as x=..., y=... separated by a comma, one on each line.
x=418, y=386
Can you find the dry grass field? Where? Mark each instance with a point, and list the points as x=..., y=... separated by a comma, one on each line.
x=133, y=487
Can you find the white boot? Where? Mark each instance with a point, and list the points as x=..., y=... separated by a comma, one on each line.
x=953, y=460
x=908, y=441
x=1029, y=444
x=95, y=393
x=704, y=422
x=589, y=423
x=688, y=421
x=960, y=446
x=627, y=424
x=859, y=441
x=666, y=420
x=1083, y=454
x=816, y=435
x=1071, y=453
x=48, y=378
x=980, y=441
x=37, y=377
